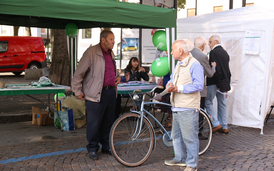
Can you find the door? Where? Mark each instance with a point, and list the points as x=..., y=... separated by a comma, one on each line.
x=4, y=56
x=19, y=53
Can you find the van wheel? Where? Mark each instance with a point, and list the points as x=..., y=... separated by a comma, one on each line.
x=17, y=73
x=34, y=66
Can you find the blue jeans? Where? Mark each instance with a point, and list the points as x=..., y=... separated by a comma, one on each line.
x=222, y=116
x=185, y=137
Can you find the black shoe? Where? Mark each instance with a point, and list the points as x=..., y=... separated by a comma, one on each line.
x=107, y=152
x=93, y=155
x=201, y=137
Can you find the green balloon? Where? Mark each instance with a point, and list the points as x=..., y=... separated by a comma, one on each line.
x=159, y=67
x=60, y=95
x=159, y=40
x=71, y=30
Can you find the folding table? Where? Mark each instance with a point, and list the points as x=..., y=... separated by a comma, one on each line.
x=28, y=90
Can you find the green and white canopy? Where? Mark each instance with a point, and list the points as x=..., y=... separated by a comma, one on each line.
x=84, y=13
x=56, y=14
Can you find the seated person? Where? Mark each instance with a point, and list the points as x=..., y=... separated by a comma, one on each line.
x=133, y=72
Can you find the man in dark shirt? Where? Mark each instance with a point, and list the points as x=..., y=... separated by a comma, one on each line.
x=220, y=56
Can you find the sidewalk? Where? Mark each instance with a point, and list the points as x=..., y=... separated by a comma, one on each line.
x=29, y=147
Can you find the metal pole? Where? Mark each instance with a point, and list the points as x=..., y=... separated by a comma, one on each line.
x=140, y=47
x=230, y=4
x=48, y=44
x=73, y=55
x=243, y=3
x=140, y=42
x=76, y=52
x=195, y=7
x=175, y=4
x=120, y=68
x=70, y=57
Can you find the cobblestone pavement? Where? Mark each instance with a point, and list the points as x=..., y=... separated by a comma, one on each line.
x=30, y=147
x=47, y=148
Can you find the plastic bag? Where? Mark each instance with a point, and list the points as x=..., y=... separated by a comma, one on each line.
x=66, y=118
x=79, y=110
x=43, y=81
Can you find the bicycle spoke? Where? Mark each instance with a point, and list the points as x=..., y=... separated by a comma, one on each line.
x=205, y=132
x=128, y=149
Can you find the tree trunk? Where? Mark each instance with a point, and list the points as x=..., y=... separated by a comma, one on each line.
x=60, y=68
x=28, y=31
x=15, y=30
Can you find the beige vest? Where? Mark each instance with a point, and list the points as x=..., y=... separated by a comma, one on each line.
x=182, y=76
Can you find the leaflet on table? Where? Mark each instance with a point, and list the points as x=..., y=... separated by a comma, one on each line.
x=135, y=83
x=159, y=95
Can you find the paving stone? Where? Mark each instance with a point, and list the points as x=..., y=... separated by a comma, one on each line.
x=242, y=149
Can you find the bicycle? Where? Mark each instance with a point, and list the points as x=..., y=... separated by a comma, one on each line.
x=132, y=136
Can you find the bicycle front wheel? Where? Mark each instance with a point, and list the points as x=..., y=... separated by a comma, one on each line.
x=128, y=146
x=205, y=132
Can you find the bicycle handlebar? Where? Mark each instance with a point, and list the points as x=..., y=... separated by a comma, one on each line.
x=160, y=87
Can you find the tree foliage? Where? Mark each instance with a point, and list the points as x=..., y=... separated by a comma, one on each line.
x=181, y=4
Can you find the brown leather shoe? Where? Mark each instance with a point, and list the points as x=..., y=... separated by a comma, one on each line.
x=225, y=131
x=216, y=128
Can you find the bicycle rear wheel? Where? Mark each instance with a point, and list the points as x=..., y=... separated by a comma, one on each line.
x=205, y=132
x=127, y=148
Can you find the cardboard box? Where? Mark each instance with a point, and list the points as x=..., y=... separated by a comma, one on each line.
x=38, y=117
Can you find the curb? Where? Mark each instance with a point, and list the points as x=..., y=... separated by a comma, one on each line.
x=9, y=118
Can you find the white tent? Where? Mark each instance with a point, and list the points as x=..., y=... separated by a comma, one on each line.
x=247, y=35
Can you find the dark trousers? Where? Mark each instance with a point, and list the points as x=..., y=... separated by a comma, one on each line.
x=201, y=119
x=100, y=117
x=202, y=103
x=118, y=106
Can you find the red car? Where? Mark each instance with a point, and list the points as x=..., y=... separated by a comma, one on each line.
x=19, y=53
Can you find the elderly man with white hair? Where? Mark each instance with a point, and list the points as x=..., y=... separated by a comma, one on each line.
x=185, y=85
x=197, y=52
x=218, y=84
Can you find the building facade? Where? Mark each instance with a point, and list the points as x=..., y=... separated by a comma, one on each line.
x=209, y=6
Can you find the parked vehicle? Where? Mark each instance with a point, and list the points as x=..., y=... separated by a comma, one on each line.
x=19, y=53
x=130, y=48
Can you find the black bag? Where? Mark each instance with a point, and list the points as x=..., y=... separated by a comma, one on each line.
x=224, y=85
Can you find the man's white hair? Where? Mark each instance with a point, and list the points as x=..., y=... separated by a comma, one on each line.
x=188, y=45
x=199, y=41
x=185, y=44
x=216, y=37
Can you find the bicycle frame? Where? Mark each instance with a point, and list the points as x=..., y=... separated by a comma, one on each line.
x=141, y=113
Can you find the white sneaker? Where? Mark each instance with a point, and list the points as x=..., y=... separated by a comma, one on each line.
x=190, y=169
x=174, y=163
